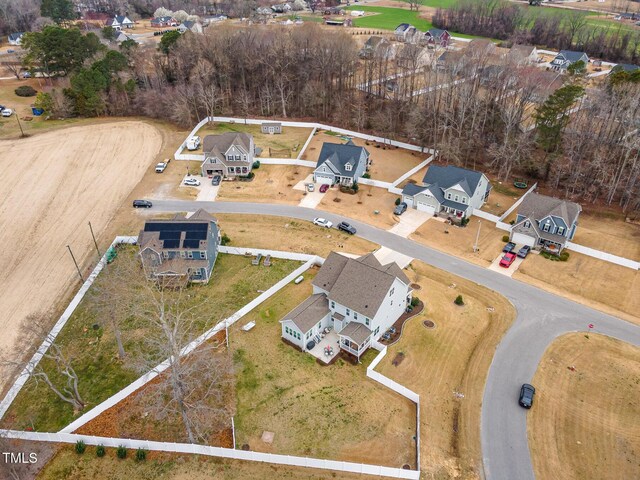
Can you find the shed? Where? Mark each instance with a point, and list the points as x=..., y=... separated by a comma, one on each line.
x=271, y=127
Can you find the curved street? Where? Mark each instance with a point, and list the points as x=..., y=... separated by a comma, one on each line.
x=541, y=317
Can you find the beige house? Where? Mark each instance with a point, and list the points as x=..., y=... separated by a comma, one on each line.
x=229, y=155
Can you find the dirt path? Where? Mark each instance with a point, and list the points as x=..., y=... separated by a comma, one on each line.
x=53, y=185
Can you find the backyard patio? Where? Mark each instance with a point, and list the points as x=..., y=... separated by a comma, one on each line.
x=328, y=348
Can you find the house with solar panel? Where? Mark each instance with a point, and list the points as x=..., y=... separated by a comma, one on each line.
x=341, y=163
x=229, y=155
x=354, y=302
x=451, y=191
x=180, y=250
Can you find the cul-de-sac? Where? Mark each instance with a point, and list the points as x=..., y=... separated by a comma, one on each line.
x=319, y=239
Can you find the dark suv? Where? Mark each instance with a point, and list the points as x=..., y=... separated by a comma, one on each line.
x=345, y=227
x=400, y=208
x=526, y=395
x=508, y=248
x=142, y=204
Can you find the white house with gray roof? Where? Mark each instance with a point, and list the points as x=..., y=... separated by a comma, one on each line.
x=545, y=222
x=229, y=155
x=358, y=298
x=450, y=190
x=341, y=164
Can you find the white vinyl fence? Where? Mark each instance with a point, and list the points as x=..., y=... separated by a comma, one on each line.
x=287, y=161
x=486, y=215
x=518, y=202
x=415, y=169
x=189, y=448
x=312, y=125
x=226, y=323
x=607, y=257
x=62, y=321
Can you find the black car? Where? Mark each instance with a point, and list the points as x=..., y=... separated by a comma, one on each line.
x=524, y=251
x=345, y=227
x=400, y=208
x=508, y=248
x=142, y=204
x=526, y=395
x=215, y=181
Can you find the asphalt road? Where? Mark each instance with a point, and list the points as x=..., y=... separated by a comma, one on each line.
x=541, y=318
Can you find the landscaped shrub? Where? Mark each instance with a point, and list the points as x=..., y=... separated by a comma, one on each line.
x=80, y=447
x=564, y=256
x=366, y=175
x=141, y=455
x=100, y=451
x=121, y=452
x=355, y=186
x=225, y=240
x=505, y=238
x=459, y=300
x=415, y=301
x=398, y=201
x=464, y=221
x=256, y=164
x=25, y=91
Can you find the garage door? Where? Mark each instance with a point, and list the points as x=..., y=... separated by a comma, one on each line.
x=424, y=207
x=324, y=180
x=408, y=200
x=522, y=239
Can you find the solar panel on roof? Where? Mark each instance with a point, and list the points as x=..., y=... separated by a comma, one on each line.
x=191, y=243
x=196, y=235
x=168, y=234
x=171, y=243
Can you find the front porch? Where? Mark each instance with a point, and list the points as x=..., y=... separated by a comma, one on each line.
x=550, y=246
x=343, y=181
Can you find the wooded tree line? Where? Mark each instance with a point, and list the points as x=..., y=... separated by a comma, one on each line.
x=508, y=21
x=482, y=114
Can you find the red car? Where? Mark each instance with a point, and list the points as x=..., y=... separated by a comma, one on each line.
x=324, y=187
x=507, y=260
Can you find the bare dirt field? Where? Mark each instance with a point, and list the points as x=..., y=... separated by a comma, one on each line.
x=55, y=185
x=388, y=163
x=363, y=205
x=263, y=231
x=460, y=241
x=602, y=285
x=451, y=359
x=291, y=138
x=584, y=422
x=610, y=235
x=272, y=183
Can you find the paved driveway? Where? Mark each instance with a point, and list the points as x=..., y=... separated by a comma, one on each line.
x=495, y=265
x=409, y=222
x=542, y=316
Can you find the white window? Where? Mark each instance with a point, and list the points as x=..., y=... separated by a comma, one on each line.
x=392, y=290
x=183, y=254
x=237, y=157
x=457, y=197
x=449, y=196
x=348, y=312
x=189, y=254
x=347, y=167
x=527, y=224
x=366, y=321
x=355, y=315
x=464, y=200
x=560, y=230
x=333, y=304
x=546, y=226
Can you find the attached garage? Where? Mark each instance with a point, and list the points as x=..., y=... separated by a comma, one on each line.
x=522, y=239
x=322, y=179
x=408, y=200
x=425, y=207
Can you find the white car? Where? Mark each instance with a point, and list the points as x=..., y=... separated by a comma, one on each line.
x=322, y=222
x=194, y=182
x=310, y=187
x=193, y=143
x=161, y=167
x=7, y=112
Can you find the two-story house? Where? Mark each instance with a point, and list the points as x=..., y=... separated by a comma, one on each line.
x=167, y=21
x=406, y=33
x=341, y=163
x=451, y=190
x=357, y=298
x=120, y=22
x=180, y=250
x=436, y=37
x=522, y=55
x=545, y=222
x=377, y=47
x=566, y=58
x=229, y=155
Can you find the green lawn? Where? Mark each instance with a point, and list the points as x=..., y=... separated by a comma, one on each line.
x=233, y=284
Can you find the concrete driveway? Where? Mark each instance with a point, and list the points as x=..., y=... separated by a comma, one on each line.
x=206, y=191
x=495, y=265
x=541, y=318
x=310, y=199
x=409, y=222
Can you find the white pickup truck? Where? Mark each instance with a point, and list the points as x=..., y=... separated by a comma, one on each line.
x=161, y=167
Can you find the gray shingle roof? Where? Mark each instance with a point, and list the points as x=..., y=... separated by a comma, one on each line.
x=309, y=312
x=357, y=332
x=449, y=176
x=571, y=56
x=358, y=284
x=536, y=207
x=435, y=32
x=339, y=155
x=217, y=145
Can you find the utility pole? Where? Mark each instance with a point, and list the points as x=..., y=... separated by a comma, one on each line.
x=475, y=246
x=76, y=264
x=94, y=242
x=19, y=124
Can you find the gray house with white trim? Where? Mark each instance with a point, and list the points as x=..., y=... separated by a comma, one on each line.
x=357, y=298
x=341, y=163
x=544, y=222
x=180, y=250
x=451, y=190
x=229, y=155
x=566, y=58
